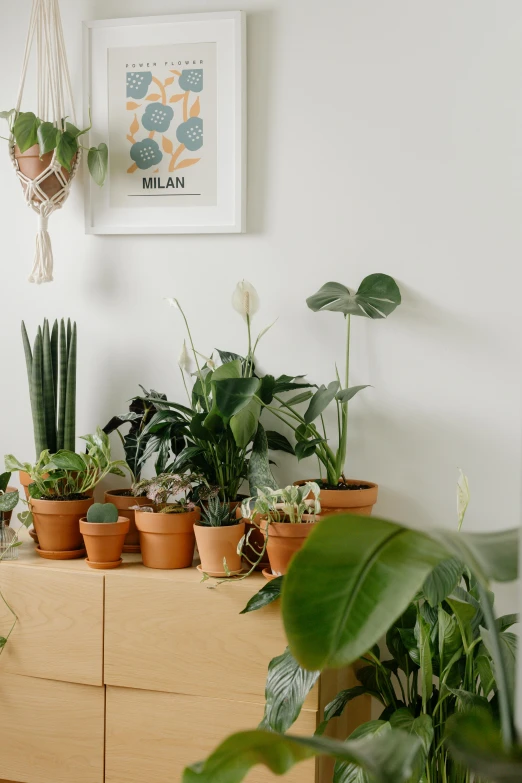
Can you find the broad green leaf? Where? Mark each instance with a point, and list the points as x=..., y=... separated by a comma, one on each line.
x=68, y=460
x=244, y=424
x=484, y=668
x=227, y=356
x=299, y=398
x=287, y=686
x=266, y=389
x=25, y=130
x=267, y=595
x=421, y=727
x=489, y=556
x=467, y=700
x=508, y=651
x=390, y=757
x=425, y=662
x=66, y=149
x=278, y=442
x=231, y=369
x=474, y=740
x=97, y=161
x=320, y=401
x=12, y=464
x=449, y=638
x=346, y=772
x=307, y=448
x=394, y=642
x=353, y=578
x=377, y=297
x=259, y=472
x=464, y=612
x=233, y=394
x=4, y=480
x=336, y=707
x=48, y=136
x=345, y=395
x=503, y=623
x=9, y=501
x=442, y=580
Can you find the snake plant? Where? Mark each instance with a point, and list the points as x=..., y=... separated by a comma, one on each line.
x=51, y=372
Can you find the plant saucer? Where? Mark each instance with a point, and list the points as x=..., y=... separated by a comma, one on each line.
x=112, y=564
x=221, y=574
x=267, y=573
x=70, y=554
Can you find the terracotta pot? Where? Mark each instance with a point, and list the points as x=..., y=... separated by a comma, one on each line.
x=104, y=540
x=256, y=541
x=25, y=480
x=8, y=514
x=284, y=540
x=347, y=501
x=57, y=523
x=167, y=540
x=32, y=166
x=123, y=503
x=218, y=543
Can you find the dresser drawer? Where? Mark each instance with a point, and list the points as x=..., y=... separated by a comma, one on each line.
x=59, y=633
x=52, y=732
x=153, y=736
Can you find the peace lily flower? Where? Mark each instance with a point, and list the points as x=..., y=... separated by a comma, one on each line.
x=462, y=497
x=184, y=361
x=172, y=302
x=245, y=300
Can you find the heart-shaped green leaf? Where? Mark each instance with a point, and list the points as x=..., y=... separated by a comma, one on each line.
x=233, y=394
x=66, y=149
x=25, y=130
x=377, y=297
x=48, y=136
x=97, y=162
x=9, y=501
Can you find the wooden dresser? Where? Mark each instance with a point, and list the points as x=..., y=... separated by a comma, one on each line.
x=129, y=675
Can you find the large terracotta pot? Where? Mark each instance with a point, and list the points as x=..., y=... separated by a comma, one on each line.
x=167, y=540
x=285, y=539
x=57, y=524
x=347, y=501
x=123, y=503
x=104, y=541
x=8, y=514
x=216, y=544
x=32, y=166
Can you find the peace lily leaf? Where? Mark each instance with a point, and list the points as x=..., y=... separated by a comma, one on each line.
x=287, y=686
x=389, y=757
x=426, y=666
x=48, y=136
x=353, y=578
x=490, y=556
x=336, y=707
x=25, y=130
x=468, y=700
x=244, y=424
x=377, y=297
x=267, y=595
x=259, y=473
x=233, y=394
x=345, y=395
x=421, y=727
x=278, y=442
x=346, y=772
x=484, y=668
x=464, y=613
x=504, y=622
x=97, y=162
x=449, y=638
x=474, y=740
x=508, y=652
x=321, y=400
x=442, y=581
x=9, y=501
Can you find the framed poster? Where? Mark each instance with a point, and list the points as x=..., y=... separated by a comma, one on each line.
x=167, y=94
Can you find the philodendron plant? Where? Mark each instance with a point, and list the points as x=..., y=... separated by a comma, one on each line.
x=27, y=130
x=447, y=691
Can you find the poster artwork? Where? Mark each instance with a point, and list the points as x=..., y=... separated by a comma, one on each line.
x=163, y=126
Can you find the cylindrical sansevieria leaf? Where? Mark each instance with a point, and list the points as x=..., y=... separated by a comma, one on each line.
x=48, y=389
x=54, y=356
x=70, y=400
x=37, y=399
x=62, y=386
x=28, y=354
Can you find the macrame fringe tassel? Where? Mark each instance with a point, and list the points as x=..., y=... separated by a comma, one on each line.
x=43, y=257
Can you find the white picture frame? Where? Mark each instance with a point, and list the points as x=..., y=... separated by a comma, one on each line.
x=120, y=52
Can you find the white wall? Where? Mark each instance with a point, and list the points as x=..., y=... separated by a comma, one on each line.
x=383, y=137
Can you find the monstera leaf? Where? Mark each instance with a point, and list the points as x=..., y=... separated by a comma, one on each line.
x=377, y=297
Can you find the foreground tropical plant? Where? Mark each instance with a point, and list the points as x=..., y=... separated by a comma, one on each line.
x=51, y=372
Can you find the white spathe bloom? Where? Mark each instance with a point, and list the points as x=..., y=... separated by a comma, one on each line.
x=245, y=299
x=172, y=302
x=185, y=361
x=462, y=497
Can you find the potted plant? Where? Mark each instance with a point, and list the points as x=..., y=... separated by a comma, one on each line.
x=166, y=528
x=219, y=536
x=286, y=517
x=51, y=373
x=60, y=489
x=104, y=532
x=141, y=411
x=5, y=490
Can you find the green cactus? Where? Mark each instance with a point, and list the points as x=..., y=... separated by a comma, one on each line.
x=102, y=513
x=51, y=372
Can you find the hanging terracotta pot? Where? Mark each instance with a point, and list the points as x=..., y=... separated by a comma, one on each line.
x=167, y=540
x=285, y=539
x=124, y=501
x=32, y=166
x=219, y=544
x=104, y=541
x=359, y=498
x=57, y=525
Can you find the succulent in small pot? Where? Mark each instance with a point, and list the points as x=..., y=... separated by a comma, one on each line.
x=166, y=528
x=286, y=517
x=60, y=493
x=104, y=533
x=219, y=536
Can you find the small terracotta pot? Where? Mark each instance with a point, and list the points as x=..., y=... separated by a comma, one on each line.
x=347, y=501
x=218, y=543
x=123, y=503
x=57, y=523
x=8, y=514
x=167, y=540
x=284, y=540
x=32, y=166
x=104, y=541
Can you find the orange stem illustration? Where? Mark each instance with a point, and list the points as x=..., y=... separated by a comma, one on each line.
x=175, y=157
x=132, y=168
x=185, y=106
x=151, y=134
x=162, y=90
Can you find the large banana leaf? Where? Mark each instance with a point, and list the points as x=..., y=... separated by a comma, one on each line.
x=377, y=297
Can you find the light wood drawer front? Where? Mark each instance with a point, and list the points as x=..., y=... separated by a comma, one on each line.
x=52, y=732
x=184, y=638
x=153, y=736
x=59, y=633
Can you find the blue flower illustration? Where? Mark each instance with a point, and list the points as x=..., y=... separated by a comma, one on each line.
x=157, y=117
x=138, y=83
x=190, y=133
x=191, y=80
x=146, y=153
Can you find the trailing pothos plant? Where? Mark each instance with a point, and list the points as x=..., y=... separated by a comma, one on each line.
x=27, y=130
x=451, y=671
x=218, y=433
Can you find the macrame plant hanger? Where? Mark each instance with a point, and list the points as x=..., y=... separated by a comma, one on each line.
x=48, y=191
